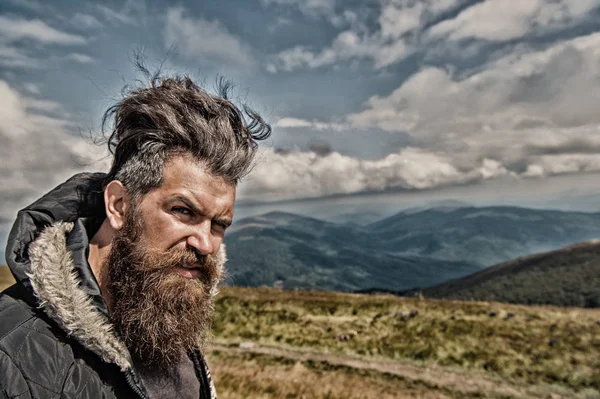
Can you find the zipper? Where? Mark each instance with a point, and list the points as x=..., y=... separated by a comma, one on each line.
x=134, y=385
x=202, y=374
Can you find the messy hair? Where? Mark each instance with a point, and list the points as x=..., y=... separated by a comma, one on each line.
x=174, y=116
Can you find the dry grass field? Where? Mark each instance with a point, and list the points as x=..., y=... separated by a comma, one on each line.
x=271, y=343
x=324, y=344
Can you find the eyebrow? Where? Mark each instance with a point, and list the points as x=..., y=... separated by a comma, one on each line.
x=224, y=221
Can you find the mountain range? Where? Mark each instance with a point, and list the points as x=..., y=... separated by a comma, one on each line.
x=413, y=248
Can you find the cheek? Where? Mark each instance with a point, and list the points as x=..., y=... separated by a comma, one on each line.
x=163, y=232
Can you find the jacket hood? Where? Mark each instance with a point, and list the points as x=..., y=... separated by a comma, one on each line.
x=79, y=199
x=47, y=252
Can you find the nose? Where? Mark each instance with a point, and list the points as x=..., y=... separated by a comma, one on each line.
x=201, y=239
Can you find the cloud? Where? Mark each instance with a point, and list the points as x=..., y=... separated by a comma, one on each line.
x=346, y=46
x=288, y=122
x=294, y=174
x=80, y=58
x=530, y=113
x=545, y=87
x=396, y=21
x=205, y=41
x=15, y=57
x=320, y=147
x=502, y=20
x=16, y=54
x=111, y=15
x=18, y=57
x=394, y=37
x=14, y=29
x=292, y=122
x=130, y=13
x=402, y=28
x=505, y=111
x=38, y=148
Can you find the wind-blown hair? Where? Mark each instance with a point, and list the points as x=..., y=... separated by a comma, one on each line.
x=174, y=116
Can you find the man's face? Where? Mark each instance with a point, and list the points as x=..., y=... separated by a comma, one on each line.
x=165, y=263
x=190, y=210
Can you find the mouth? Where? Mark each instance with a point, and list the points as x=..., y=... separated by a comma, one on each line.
x=188, y=270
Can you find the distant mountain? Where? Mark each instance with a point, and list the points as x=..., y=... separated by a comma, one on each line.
x=410, y=249
x=300, y=252
x=566, y=277
x=439, y=205
x=484, y=236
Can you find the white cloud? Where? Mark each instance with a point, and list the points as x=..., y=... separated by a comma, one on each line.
x=292, y=122
x=306, y=174
x=80, y=58
x=13, y=29
x=528, y=114
x=547, y=85
x=502, y=20
x=347, y=45
x=399, y=31
x=205, y=41
x=395, y=37
x=289, y=122
x=396, y=21
x=523, y=109
x=37, y=150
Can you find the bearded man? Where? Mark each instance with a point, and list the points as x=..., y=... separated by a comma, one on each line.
x=116, y=273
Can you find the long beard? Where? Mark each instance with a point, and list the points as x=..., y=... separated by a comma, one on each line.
x=159, y=314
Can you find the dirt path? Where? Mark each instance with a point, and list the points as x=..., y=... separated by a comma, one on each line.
x=455, y=380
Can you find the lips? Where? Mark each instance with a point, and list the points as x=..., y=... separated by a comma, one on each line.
x=188, y=272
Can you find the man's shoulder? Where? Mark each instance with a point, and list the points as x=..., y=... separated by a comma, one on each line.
x=37, y=350
x=31, y=345
x=15, y=311
x=24, y=324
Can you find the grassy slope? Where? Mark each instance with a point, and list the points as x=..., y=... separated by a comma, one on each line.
x=525, y=345
x=537, y=351
x=566, y=277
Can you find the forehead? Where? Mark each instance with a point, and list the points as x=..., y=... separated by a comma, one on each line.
x=183, y=175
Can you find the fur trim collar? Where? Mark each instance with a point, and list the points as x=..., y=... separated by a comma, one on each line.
x=56, y=284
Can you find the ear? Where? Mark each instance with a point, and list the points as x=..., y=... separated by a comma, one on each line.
x=117, y=203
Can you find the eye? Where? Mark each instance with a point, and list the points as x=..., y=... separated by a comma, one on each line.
x=181, y=210
x=218, y=226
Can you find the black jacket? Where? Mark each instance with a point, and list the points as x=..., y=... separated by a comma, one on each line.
x=56, y=339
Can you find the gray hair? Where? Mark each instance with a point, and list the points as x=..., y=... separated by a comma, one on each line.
x=174, y=116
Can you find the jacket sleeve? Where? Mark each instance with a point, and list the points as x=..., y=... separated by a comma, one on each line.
x=12, y=383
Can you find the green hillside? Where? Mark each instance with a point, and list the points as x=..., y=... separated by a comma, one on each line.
x=566, y=277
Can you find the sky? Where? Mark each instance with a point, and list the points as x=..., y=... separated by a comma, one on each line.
x=489, y=101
